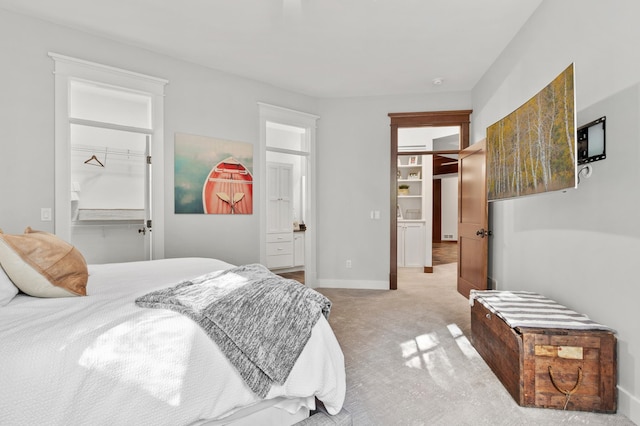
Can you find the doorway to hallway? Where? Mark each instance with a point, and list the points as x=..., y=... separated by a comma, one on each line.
x=408, y=123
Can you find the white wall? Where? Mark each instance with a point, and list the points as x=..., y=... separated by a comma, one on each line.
x=354, y=178
x=198, y=101
x=353, y=148
x=449, y=208
x=577, y=247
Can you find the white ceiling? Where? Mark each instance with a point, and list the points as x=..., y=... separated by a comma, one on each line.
x=323, y=48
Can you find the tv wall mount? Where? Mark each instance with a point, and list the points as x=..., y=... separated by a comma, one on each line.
x=592, y=141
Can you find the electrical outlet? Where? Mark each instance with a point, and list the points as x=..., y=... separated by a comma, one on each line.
x=348, y=264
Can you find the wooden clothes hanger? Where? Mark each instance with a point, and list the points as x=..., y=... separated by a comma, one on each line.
x=94, y=158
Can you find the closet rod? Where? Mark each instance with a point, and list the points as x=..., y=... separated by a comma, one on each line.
x=106, y=150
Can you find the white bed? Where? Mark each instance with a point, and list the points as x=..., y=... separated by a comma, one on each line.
x=102, y=360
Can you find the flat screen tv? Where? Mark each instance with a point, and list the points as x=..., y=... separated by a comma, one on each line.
x=533, y=149
x=592, y=141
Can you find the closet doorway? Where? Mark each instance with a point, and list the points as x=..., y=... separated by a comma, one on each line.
x=409, y=182
x=288, y=224
x=109, y=135
x=108, y=121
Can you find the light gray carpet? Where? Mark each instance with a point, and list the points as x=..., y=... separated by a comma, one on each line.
x=409, y=360
x=323, y=418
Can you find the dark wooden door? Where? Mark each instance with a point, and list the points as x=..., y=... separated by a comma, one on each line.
x=473, y=247
x=436, y=229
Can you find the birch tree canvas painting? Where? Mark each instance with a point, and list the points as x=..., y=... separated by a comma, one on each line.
x=533, y=149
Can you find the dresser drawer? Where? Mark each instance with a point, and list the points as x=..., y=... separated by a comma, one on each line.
x=280, y=248
x=280, y=237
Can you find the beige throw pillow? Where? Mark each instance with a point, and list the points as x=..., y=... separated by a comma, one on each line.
x=42, y=265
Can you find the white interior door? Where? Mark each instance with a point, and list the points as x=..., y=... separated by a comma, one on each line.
x=279, y=197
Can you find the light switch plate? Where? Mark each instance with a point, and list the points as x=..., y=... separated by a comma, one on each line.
x=45, y=214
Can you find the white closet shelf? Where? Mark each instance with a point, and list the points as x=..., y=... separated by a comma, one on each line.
x=111, y=214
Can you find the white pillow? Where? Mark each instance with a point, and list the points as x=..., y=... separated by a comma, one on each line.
x=7, y=289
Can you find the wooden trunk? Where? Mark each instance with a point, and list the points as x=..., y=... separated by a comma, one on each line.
x=529, y=361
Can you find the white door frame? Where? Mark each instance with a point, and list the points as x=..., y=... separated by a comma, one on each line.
x=67, y=69
x=276, y=114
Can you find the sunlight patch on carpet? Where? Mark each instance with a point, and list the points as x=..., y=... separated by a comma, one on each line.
x=425, y=352
x=461, y=340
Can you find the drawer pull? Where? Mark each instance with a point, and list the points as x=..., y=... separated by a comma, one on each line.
x=566, y=392
x=488, y=315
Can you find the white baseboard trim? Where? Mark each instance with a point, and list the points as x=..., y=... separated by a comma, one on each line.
x=353, y=284
x=628, y=405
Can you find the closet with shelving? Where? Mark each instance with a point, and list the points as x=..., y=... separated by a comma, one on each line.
x=410, y=210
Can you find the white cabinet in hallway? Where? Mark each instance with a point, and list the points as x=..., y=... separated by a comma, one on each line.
x=411, y=237
x=279, y=215
x=280, y=250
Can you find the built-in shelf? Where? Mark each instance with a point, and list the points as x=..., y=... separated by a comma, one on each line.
x=411, y=199
x=111, y=214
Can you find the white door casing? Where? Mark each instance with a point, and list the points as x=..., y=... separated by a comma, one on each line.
x=275, y=114
x=68, y=69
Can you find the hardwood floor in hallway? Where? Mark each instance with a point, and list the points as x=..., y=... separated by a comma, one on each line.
x=295, y=275
x=445, y=252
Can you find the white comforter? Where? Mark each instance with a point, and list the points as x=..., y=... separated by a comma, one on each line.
x=101, y=360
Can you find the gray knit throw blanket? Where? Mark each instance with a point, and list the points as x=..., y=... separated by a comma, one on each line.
x=260, y=321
